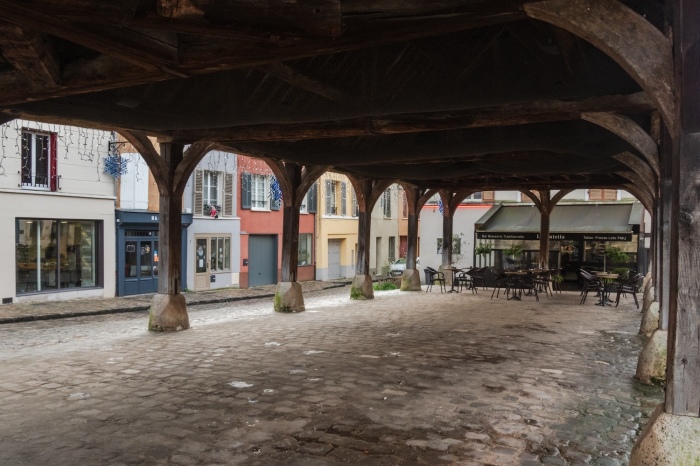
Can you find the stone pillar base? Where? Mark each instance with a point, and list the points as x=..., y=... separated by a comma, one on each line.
x=168, y=313
x=647, y=298
x=668, y=440
x=448, y=275
x=650, y=319
x=651, y=367
x=410, y=280
x=361, y=287
x=289, y=297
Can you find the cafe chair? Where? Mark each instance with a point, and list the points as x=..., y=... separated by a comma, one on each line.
x=432, y=277
x=529, y=285
x=590, y=283
x=502, y=281
x=631, y=286
x=464, y=280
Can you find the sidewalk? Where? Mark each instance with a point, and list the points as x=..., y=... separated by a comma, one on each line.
x=46, y=310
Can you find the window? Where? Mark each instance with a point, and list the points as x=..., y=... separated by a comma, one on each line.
x=303, y=208
x=53, y=255
x=259, y=190
x=602, y=194
x=343, y=199
x=331, y=198
x=392, y=248
x=404, y=210
x=220, y=254
x=305, y=249
x=386, y=203
x=477, y=196
x=439, y=246
x=39, y=160
x=211, y=198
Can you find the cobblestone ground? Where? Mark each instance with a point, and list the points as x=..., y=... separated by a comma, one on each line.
x=406, y=378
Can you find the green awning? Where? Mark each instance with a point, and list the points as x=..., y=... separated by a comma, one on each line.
x=590, y=221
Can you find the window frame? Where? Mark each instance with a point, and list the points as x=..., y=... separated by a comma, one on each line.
x=265, y=181
x=310, y=251
x=32, y=153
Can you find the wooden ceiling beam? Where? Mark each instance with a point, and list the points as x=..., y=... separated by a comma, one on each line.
x=296, y=79
x=31, y=54
x=505, y=115
x=127, y=45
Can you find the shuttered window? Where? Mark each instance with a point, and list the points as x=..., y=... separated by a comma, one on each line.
x=228, y=195
x=312, y=199
x=602, y=194
x=343, y=199
x=246, y=196
x=198, y=193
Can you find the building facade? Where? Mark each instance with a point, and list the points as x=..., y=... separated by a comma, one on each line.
x=261, y=226
x=57, y=212
x=213, y=240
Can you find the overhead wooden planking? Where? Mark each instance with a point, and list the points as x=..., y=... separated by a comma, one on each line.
x=629, y=39
x=31, y=54
x=502, y=115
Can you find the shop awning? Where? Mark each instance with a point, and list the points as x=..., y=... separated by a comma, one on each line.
x=589, y=221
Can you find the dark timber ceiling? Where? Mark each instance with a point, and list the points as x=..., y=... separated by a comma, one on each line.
x=442, y=94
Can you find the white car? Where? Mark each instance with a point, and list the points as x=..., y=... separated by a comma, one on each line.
x=399, y=265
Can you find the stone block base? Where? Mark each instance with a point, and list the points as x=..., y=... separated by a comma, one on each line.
x=650, y=319
x=668, y=440
x=361, y=287
x=651, y=367
x=410, y=280
x=289, y=297
x=648, y=298
x=168, y=313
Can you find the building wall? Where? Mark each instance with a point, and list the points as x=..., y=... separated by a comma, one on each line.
x=335, y=226
x=384, y=227
x=463, y=223
x=223, y=226
x=265, y=222
x=84, y=192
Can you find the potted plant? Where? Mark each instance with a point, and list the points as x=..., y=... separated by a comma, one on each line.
x=616, y=256
x=482, y=249
x=513, y=250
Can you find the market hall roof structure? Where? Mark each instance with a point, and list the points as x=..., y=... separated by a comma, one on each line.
x=479, y=94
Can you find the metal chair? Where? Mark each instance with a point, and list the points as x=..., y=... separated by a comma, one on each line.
x=432, y=276
x=631, y=286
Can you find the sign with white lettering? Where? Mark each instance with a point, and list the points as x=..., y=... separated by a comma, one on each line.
x=529, y=236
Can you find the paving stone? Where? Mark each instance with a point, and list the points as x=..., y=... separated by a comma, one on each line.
x=477, y=396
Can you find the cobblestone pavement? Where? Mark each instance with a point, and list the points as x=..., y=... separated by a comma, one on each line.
x=406, y=378
x=56, y=309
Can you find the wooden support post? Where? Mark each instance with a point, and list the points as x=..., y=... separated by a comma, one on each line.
x=412, y=246
x=683, y=387
x=363, y=231
x=168, y=308
x=290, y=225
x=664, y=230
x=447, y=228
x=544, y=239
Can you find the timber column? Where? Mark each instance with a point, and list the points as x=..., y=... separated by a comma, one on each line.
x=545, y=203
x=415, y=198
x=367, y=192
x=294, y=180
x=672, y=435
x=168, y=307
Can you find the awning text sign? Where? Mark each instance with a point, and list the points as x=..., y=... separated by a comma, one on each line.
x=529, y=236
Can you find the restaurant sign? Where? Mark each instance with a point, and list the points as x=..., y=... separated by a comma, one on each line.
x=528, y=236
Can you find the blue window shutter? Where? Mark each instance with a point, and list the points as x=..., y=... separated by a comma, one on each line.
x=312, y=199
x=245, y=191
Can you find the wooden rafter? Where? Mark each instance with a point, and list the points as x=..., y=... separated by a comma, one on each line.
x=30, y=54
x=505, y=115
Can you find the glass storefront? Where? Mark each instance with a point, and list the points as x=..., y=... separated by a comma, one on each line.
x=54, y=255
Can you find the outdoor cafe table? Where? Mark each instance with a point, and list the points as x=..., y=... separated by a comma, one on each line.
x=454, y=271
x=607, y=279
x=517, y=276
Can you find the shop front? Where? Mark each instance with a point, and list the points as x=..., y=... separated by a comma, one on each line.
x=137, y=251
x=591, y=236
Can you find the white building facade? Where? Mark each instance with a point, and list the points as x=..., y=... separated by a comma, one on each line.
x=57, y=212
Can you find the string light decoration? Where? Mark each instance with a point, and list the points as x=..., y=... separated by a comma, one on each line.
x=89, y=145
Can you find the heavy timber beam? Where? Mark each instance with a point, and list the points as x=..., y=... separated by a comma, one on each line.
x=30, y=54
x=631, y=132
x=629, y=39
x=506, y=115
x=545, y=203
x=640, y=168
x=290, y=76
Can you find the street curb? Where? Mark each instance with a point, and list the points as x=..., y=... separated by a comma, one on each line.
x=123, y=310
